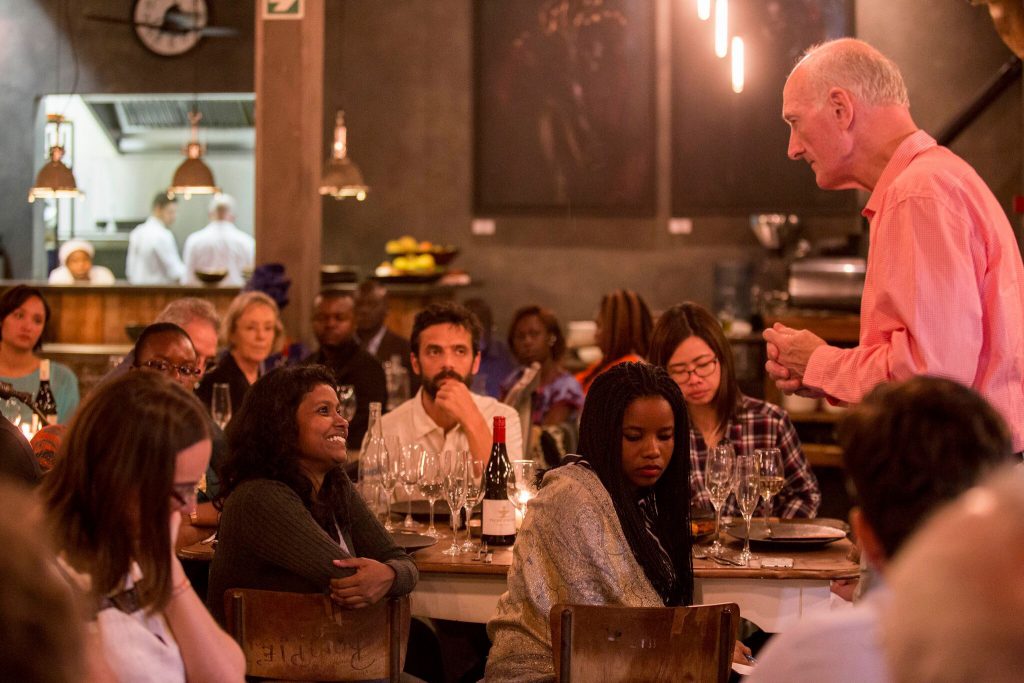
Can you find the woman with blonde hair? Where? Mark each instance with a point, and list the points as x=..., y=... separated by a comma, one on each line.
x=251, y=331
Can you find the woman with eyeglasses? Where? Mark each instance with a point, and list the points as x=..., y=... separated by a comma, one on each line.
x=126, y=473
x=24, y=315
x=689, y=343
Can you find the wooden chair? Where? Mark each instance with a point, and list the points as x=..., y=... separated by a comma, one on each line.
x=306, y=637
x=592, y=643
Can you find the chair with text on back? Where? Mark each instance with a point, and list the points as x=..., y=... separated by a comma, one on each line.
x=592, y=642
x=306, y=637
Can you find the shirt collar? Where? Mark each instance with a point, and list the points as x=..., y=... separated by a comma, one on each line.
x=906, y=152
x=422, y=423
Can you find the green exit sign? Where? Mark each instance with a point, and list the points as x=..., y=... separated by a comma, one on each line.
x=283, y=9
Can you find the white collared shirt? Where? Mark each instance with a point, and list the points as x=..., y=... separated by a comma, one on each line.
x=411, y=424
x=153, y=255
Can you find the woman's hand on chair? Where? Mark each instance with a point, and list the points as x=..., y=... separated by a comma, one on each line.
x=371, y=581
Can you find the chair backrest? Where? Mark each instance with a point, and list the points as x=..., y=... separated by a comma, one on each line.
x=643, y=643
x=306, y=637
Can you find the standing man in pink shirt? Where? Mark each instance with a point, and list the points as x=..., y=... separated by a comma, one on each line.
x=944, y=291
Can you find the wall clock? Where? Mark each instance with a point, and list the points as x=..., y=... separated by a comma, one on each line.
x=169, y=27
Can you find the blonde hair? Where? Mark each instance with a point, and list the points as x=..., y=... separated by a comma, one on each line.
x=238, y=306
x=855, y=66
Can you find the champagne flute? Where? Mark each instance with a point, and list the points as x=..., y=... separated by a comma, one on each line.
x=431, y=484
x=220, y=404
x=412, y=454
x=347, y=398
x=771, y=477
x=474, y=493
x=522, y=485
x=389, y=462
x=747, y=486
x=454, y=468
x=718, y=471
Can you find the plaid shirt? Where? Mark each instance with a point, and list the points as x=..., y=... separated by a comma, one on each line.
x=759, y=425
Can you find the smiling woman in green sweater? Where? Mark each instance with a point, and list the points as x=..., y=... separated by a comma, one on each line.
x=291, y=519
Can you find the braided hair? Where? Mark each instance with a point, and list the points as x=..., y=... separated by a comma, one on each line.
x=601, y=447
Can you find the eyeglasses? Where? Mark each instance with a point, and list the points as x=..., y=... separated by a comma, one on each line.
x=184, y=494
x=681, y=374
x=167, y=367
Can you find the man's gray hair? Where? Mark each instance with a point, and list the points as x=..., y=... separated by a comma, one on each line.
x=856, y=66
x=183, y=311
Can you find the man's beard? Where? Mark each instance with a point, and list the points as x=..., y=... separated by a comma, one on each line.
x=433, y=384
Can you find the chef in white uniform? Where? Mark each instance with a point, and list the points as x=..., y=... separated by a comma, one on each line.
x=152, y=252
x=220, y=246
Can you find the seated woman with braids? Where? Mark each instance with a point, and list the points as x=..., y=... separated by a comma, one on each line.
x=608, y=527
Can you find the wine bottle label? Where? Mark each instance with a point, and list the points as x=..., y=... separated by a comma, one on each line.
x=499, y=518
x=44, y=370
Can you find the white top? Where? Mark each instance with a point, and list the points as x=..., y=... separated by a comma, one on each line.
x=411, y=424
x=98, y=275
x=839, y=647
x=153, y=255
x=219, y=246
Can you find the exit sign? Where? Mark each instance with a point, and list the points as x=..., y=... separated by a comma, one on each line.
x=283, y=9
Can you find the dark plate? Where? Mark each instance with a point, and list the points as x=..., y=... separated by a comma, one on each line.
x=796, y=534
x=411, y=279
x=409, y=541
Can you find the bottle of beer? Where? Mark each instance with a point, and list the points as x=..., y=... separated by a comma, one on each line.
x=499, y=515
x=44, y=397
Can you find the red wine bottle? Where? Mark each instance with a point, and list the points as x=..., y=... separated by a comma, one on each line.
x=44, y=397
x=499, y=515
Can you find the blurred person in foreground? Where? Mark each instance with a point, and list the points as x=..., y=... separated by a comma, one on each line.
x=220, y=246
x=623, y=333
x=444, y=414
x=958, y=591
x=76, y=266
x=127, y=472
x=908, y=449
x=292, y=520
x=944, y=291
x=333, y=325
x=690, y=344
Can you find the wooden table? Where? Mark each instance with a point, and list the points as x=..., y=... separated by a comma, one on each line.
x=465, y=589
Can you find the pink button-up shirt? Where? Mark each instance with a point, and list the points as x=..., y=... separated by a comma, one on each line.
x=944, y=291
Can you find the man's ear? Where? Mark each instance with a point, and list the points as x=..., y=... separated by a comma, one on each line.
x=476, y=363
x=840, y=106
x=414, y=362
x=870, y=545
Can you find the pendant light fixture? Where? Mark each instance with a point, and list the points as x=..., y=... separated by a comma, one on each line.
x=55, y=180
x=341, y=178
x=193, y=176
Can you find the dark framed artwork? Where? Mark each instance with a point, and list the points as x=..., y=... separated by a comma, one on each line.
x=729, y=149
x=564, y=107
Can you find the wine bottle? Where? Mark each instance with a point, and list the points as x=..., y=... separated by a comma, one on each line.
x=373, y=441
x=44, y=397
x=499, y=515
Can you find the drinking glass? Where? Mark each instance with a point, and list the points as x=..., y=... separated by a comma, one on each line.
x=718, y=471
x=220, y=404
x=747, y=488
x=431, y=483
x=390, y=466
x=474, y=494
x=522, y=485
x=454, y=468
x=771, y=477
x=347, y=398
x=412, y=454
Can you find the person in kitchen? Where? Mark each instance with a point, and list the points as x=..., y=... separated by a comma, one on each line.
x=944, y=290
x=219, y=247
x=76, y=266
x=152, y=252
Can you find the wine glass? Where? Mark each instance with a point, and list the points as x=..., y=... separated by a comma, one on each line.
x=347, y=398
x=220, y=404
x=718, y=471
x=771, y=477
x=431, y=483
x=454, y=468
x=747, y=488
x=412, y=454
x=389, y=464
x=522, y=485
x=474, y=493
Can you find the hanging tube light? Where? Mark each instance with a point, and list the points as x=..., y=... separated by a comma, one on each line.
x=721, y=28
x=193, y=176
x=738, y=76
x=341, y=178
x=703, y=9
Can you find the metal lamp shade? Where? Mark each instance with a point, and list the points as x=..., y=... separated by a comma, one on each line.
x=55, y=180
x=193, y=177
x=341, y=179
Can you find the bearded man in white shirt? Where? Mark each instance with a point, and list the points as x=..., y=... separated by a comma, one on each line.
x=444, y=414
x=152, y=252
x=220, y=246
